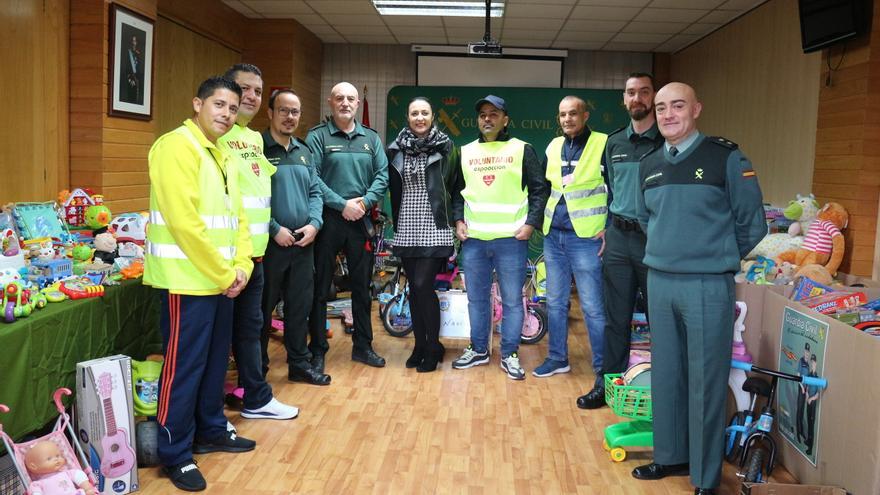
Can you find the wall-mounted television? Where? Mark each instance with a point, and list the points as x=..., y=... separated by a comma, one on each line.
x=826, y=22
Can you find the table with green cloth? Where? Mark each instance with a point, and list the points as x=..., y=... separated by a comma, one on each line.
x=38, y=354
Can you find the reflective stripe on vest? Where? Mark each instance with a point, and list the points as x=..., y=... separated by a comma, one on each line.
x=245, y=146
x=167, y=266
x=586, y=197
x=495, y=202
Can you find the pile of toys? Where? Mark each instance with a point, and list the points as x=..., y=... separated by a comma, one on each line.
x=852, y=308
x=67, y=249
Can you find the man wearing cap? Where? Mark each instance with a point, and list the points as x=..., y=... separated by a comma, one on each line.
x=497, y=202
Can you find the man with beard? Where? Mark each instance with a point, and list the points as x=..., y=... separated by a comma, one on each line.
x=296, y=219
x=246, y=148
x=623, y=271
x=353, y=176
x=701, y=209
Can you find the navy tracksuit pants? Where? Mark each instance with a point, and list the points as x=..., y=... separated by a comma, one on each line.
x=196, y=335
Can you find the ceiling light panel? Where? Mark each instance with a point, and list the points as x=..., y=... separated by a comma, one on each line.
x=437, y=8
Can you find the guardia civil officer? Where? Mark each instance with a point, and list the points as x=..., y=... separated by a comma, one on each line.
x=701, y=208
x=623, y=271
x=353, y=175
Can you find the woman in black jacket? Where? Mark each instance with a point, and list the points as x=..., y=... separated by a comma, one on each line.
x=420, y=174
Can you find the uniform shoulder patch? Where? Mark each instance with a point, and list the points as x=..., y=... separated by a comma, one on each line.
x=615, y=131
x=322, y=124
x=650, y=152
x=723, y=142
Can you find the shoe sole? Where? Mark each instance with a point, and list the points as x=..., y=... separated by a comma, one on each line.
x=564, y=369
x=207, y=449
x=512, y=376
x=307, y=381
x=476, y=362
x=252, y=415
x=181, y=486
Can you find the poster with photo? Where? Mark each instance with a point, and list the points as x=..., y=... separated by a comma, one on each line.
x=802, y=352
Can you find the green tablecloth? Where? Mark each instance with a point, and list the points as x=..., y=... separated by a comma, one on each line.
x=38, y=354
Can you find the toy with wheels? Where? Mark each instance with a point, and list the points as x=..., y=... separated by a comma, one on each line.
x=147, y=443
x=17, y=302
x=628, y=401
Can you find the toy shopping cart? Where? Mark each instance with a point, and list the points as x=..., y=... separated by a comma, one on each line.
x=62, y=436
x=627, y=401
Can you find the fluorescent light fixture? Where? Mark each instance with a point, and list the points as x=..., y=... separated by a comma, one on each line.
x=438, y=7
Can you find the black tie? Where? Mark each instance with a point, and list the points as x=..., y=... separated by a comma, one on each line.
x=673, y=150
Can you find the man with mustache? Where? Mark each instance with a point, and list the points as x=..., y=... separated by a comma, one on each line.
x=353, y=176
x=701, y=208
x=296, y=219
x=497, y=202
x=574, y=234
x=198, y=255
x=245, y=146
x=623, y=272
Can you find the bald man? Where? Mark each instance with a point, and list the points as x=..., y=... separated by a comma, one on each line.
x=353, y=175
x=701, y=208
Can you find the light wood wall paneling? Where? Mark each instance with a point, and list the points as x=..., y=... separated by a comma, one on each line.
x=34, y=89
x=183, y=60
x=761, y=91
x=210, y=18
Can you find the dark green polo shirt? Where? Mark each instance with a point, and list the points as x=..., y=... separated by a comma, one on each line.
x=296, y=191
x=349, y=165
x=621, y=162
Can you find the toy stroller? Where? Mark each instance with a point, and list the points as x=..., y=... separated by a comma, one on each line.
x=61, y=470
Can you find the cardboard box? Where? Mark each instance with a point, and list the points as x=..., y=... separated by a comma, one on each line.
x=454, y=322
x=780, y=489
x=105, y=422
x=848, y=450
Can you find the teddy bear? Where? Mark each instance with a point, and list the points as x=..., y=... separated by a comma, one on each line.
x=802, y=210
x=824, y=244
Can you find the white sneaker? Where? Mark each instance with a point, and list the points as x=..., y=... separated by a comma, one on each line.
x=273, y=410
x=511, y=365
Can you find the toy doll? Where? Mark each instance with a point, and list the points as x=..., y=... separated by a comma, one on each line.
x=47, y=467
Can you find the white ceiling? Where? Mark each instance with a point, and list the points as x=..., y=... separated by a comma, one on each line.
x=612, y=25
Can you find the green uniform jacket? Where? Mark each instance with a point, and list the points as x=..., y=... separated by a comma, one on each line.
x=349, y=165
x=623, y=151
x=296, y=190
x=702, y=210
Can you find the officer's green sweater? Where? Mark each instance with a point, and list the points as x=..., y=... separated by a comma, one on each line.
x=296, y=193
x=621, y=166
x=702, y=210
x=349, y=165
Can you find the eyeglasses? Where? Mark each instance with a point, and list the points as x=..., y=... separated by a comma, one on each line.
x=285, y=112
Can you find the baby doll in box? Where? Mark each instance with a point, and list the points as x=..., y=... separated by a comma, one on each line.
x=47, y=467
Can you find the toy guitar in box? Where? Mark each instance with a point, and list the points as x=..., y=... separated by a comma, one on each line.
x=118, y=454
x=81, y=288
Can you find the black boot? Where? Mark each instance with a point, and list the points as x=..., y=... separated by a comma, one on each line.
x=415, y=358
x=431, y=359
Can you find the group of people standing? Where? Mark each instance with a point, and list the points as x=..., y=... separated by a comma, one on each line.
x=241, y=220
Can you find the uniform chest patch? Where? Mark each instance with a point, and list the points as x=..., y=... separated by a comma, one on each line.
x=618, y=158
x=653, y=178
x=332, y=147
x=489, y=179
x=256, y=169
x=367, y=147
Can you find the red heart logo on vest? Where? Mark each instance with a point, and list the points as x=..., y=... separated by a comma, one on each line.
x=489, y=179
x=256, y=169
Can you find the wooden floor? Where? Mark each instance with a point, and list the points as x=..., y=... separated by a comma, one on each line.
x=395, y=431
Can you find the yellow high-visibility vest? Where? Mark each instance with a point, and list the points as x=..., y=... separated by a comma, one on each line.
x=586, y=197
x=495, y=202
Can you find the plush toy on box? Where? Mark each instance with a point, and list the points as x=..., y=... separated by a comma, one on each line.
x=824, y=244
x=803, y=211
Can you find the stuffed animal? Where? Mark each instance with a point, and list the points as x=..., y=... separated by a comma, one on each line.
x=105, y=248
x=803, y=211
x=823, y=244
x=815, y=272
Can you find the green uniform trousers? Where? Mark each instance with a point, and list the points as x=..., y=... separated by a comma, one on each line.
x=691, y=338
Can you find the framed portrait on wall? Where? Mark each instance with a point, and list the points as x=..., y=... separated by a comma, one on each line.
x=130, y=79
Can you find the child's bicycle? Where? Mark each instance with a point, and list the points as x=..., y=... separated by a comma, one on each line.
x=747, y=439
x=394, y=302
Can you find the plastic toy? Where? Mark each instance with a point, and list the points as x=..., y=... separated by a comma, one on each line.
x=145, y=380
x=628, y=401
x=17, y=302
x=53, y=293
x=35, y=220
x=130, y=250
x=63, y=464
x=44, y=272
x=130, y=227
x=81, y=288
x=97, y=217
x=133, y=270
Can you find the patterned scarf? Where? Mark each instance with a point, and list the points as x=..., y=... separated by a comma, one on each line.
x=411, y=144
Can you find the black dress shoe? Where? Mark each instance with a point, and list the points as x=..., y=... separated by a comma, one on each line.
x=656, y=471
x=594, y=399
x=307, y=375
x=705, y=491
x=415, y=358
x=368, y=357
x=317, y=363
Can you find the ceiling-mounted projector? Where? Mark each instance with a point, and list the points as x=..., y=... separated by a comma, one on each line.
x=489, y=49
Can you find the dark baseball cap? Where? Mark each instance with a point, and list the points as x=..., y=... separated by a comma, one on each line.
x=495, y=101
